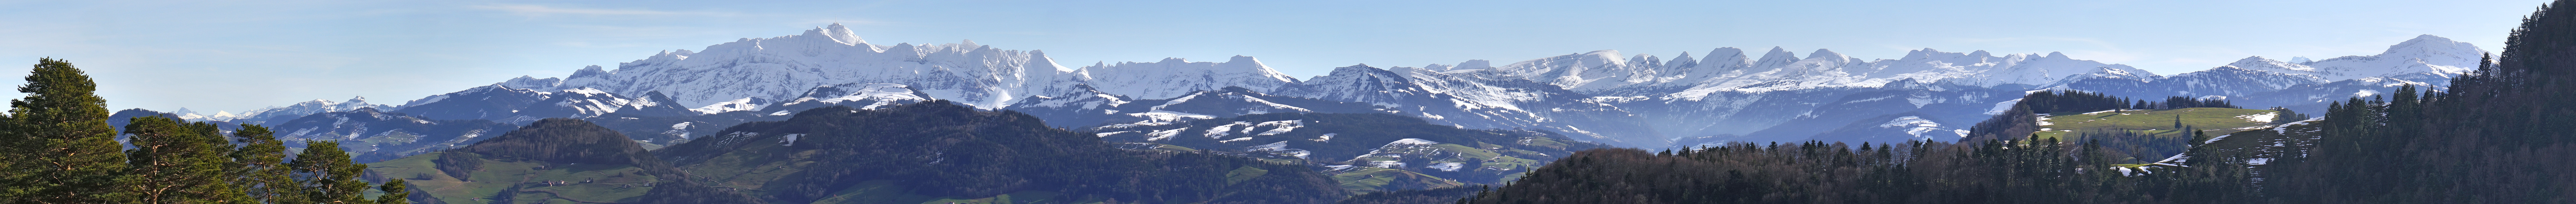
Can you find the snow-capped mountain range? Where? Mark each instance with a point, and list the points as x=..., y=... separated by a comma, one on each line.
x=1639, y=100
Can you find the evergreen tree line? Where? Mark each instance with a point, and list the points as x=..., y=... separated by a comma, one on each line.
x=60, y=148
x=2501, y=135
x=2178, y=102
x=1994, y=171
x=2063, y=102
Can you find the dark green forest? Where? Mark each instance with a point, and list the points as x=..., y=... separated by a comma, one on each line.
x=62, y=148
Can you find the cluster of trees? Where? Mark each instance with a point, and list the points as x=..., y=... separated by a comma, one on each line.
x=60, y=148
x=2064, y=102
x=1995, y=171
x=2287, y=116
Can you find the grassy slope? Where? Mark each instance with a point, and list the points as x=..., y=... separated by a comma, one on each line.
x=2214, y=121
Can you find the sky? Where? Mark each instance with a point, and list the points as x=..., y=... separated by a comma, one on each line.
x=237, y=56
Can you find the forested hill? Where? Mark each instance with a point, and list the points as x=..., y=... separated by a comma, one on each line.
x=550, y=161
x=1367, y=152
x=2500, y=135
x=939, y=151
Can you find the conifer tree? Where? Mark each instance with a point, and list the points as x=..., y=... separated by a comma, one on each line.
x=260, y=167
x=327, y=174
x=394, y=193
x=179, y=163
x=64, y=150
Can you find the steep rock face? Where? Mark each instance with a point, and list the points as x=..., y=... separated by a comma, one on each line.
x=1173, y=77
x=783, y=67
x=942, y=149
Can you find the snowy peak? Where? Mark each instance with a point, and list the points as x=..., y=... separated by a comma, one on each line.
x=2423, y=54
x=1355, y=83
x=2428, y=45
x=840, y=34
x=2260, y=63
x=1721, y=60
x=786, y=66
x=1173, y=77
x=1777, y=57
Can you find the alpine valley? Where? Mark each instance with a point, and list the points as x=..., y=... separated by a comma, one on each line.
x=825, y=117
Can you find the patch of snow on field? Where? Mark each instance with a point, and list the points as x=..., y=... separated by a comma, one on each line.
x=1448, y=166
x=1274, y=146
x=1222, y=130
x=1387, y=164
x=1163, y=135
x=791, y=139
x=1107, y=134
x=1412, y=141
x=1282, y=126
x=2260, y=118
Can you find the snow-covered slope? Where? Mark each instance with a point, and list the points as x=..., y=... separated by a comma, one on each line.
x=514, y=105
x=2424, y=54
x=1728, y=69
x=785, y=67
x=867, y=96
x=275, y=114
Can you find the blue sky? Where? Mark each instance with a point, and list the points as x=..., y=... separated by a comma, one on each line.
x=237, y=56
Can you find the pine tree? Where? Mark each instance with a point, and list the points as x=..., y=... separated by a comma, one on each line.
x=394, y=193
x=260, y=167
x=327, y=174
x=65, y=152
x=179, y=163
